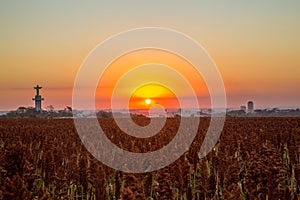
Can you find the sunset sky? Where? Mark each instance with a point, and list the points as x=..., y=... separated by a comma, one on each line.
x=255, y=45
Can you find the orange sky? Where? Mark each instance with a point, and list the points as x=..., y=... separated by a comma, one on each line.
x=255, y=45
x=142, y=79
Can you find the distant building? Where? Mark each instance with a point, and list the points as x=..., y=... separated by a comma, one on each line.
x=250, y=106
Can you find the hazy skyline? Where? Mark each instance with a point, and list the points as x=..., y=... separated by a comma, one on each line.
x=254, y=44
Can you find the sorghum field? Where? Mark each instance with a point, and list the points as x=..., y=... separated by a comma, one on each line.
x=255, y=158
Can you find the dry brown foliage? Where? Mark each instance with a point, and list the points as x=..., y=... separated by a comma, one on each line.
x=255, y=158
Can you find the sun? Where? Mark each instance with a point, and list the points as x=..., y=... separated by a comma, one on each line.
x=148, y=101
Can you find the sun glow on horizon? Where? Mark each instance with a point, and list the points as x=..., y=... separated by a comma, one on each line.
x=148, y=101
x=151, y=94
